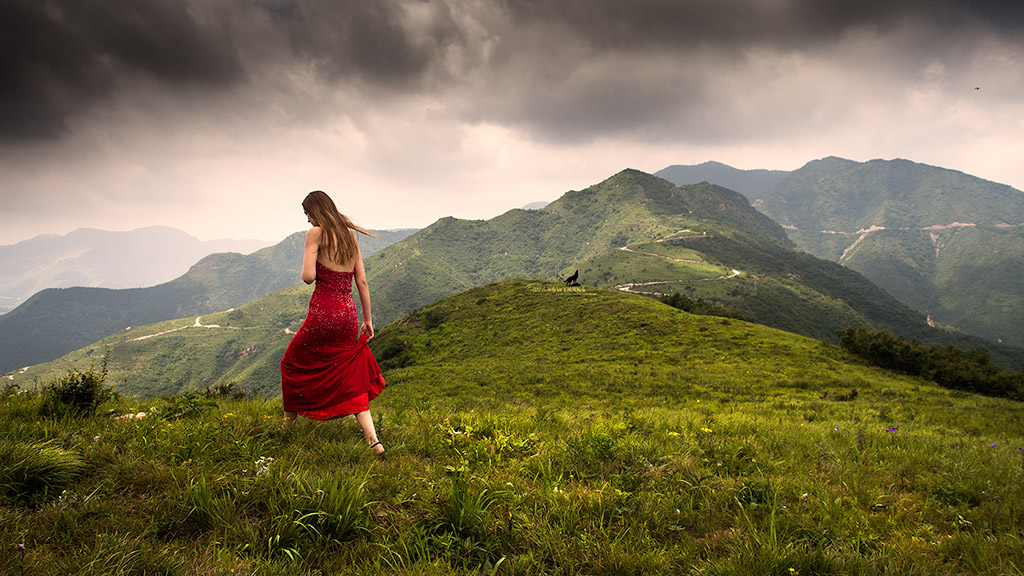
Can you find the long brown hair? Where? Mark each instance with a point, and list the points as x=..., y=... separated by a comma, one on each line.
x=336, y=239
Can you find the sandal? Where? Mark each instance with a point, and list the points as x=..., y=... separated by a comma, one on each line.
x=374, y=445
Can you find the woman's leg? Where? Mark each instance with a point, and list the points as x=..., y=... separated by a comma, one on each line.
x=369, y=432
x=290, y=416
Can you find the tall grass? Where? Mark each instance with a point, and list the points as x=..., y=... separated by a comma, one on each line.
x=797, y=486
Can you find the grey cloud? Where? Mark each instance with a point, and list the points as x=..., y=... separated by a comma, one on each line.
x=58, y=57
x=729, y=24
x=560, y=69
x=360, y=40
x=656, y=69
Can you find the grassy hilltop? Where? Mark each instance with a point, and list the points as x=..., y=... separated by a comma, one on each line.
x=534, y=428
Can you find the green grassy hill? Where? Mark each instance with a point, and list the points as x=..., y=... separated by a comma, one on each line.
x=947, y=243
x=533, y=428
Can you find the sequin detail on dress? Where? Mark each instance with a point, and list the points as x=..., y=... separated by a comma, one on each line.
x=328, y=370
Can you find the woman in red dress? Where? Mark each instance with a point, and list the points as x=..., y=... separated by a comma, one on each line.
x=328, y=370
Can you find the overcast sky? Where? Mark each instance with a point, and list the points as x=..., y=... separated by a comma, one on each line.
x=218, y=116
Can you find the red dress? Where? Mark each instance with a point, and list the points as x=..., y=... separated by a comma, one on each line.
x=328, y=371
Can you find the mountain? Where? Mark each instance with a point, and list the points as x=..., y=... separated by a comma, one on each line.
x=751, y=183
x=945, y=242
x=640, y=233
x=98, y=258
x=56, y=321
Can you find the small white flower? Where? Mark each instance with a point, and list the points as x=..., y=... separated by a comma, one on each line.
x=263, y=465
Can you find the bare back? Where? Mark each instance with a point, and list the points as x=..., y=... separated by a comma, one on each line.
x=348, y=266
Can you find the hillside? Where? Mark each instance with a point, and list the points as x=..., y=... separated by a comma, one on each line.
x=57, y=321
x=947, y=243
x=98, y=258
x=639, y=233
x=531, y=428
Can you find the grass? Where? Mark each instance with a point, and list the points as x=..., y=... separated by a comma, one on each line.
x=697, y=487
x=685, y=445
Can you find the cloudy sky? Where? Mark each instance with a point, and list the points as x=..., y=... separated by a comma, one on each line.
x=217, y=116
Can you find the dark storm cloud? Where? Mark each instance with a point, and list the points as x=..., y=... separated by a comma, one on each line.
x=58, y=57
x=738, y=23
x=671, y=70
x=560, y=69
x=356, y=39
x=612, y=24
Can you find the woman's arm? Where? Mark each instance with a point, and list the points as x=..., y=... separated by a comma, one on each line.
x=310, y=254
x=364, y=295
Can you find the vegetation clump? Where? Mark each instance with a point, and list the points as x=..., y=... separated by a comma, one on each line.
x=78, y=392
x=701, y=306
x=31, y=472
x=947, y=366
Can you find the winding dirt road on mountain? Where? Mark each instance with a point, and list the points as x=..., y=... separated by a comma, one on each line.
x=631, y=286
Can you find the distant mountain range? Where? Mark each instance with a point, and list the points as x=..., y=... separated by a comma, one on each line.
x=640, y=233
x=99, y=258
x=58, y=320
x=634, y=233
x=949, y=244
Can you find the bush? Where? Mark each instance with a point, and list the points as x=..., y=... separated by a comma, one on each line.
x=77, y=393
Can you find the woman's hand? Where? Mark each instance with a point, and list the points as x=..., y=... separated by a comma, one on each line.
x=367, y=328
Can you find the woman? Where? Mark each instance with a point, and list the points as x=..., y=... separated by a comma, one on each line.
x=328, y=370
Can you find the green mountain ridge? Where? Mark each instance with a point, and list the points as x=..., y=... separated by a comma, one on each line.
x=945, y=242
x=632, y=233
x=594, y=330
x=641, y=233
x=56, y=321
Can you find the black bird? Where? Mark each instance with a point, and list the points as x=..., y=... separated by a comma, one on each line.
x=572, y=279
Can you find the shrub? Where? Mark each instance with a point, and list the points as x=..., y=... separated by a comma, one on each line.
x=77, y=393
x=188, y=404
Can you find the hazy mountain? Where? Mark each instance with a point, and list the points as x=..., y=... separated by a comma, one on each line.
x=58, y=320
x=98, y=258
x=751, y=183
x=949, y=244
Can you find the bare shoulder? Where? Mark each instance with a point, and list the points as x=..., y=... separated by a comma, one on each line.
x=313, y=234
